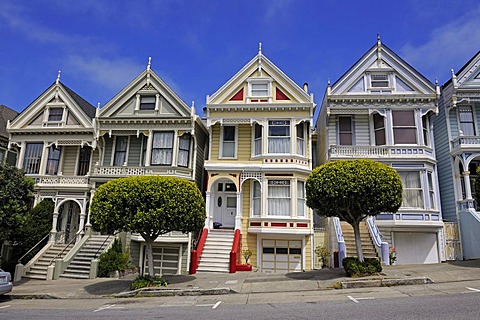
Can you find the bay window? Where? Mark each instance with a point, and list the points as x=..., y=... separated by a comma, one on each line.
x=404, y=129
x=33, y=157
x=412, y=189
x=279, y=136
x=184, y=150
x=53, y=160
x=162, y=148
x=228, y=141
x=120, y=155
x=278, y=198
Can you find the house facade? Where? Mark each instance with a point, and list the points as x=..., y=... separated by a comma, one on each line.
x=457, y=143
x=8, y=156
x=259, y=125
x=382, y=109
x=147, y=129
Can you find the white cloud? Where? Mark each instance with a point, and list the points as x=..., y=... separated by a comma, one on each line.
x=450, y=46
x=275, y=8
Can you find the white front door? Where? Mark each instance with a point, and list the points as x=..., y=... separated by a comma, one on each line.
x=225, y=204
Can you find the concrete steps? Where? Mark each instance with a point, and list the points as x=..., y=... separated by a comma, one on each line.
x=38, y=270
x=368, y=247
x=216, y=252
x=79, y=267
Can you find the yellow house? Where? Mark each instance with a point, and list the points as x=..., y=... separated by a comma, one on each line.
x=259, y=158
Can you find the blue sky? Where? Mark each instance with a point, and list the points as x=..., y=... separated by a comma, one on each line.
x=196, y=46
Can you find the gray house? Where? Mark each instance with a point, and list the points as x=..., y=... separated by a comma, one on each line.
x=457, y=145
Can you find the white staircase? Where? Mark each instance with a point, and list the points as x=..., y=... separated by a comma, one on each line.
x=216, y=252
x=79, y=267
x=38, y=270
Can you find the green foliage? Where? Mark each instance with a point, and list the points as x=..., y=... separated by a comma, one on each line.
x=113, y=260
x=148, y=281
x=354, y=189
x=149, y=205
x=246, y=255
x=355, y=268
x=16, y=193
x=477, y=186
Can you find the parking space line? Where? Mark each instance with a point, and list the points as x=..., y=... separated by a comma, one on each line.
x=473, y=289
x=3, y=307
x=216, y=305
x=353, y=299
x=108, y=306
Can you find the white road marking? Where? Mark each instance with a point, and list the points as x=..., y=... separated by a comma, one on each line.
x=473, y=289
x=205, y=305
x=231, y=282
x=356, y=299
x=108, y=306
x=216, y=305
x=353, y=299
x=4, y=307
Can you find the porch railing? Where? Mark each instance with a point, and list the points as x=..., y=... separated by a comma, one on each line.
x=62, y=180
x=380, y=151
x=465, y=141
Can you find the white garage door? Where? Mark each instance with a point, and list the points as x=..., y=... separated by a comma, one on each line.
x=281, y=256
x=416, y=248
x=165, y=260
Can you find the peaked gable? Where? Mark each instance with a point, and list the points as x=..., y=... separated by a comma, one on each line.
x=58, y=107
x=382, y=71
x=469, y=74
x=147, y=96
x=259, y=81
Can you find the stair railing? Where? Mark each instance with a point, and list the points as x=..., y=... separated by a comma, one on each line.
x=342, y=248
x=197, y=251
x=377, y=240
x=39, y=242
x=60, y=254
x=235, y=250
x=100, y=248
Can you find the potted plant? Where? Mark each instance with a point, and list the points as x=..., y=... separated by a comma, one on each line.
x=322, y=254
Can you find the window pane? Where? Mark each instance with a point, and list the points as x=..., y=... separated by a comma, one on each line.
x=345, y=139
x=84, y=161
x=345, y=124
x=279, y=197
x=412, y=189
x=55, y=114
x=162, y=148
x=256, y=199
x=380, y=137
x=467, y=124
x=279, y=136
x=33, y=156
x=228, y=133
x=259, y=89
x=378, y=121
x=184, y=150
x=403, y=118
x=120, y=151
x=53, y=160
x=147, y=103
x=404, y=130
x=300, y=198
x=405, y=135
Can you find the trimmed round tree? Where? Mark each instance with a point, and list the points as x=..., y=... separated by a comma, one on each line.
x=148, y=205
x=352, y=190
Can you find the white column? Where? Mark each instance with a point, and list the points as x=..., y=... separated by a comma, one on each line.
x=89, y=225
x=43, y=161
x=148, y=151
x=175, y=149
x=21, y=155
x=53, y=232
x=468, y=189
x=209, y=219
x=137, y=102
x=157, y=102
x=81, y=232
x=238, y=216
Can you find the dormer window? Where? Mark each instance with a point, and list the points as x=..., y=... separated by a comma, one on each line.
x=147, y=103
x=380, y=83
x=55, y=114
x=259, y=90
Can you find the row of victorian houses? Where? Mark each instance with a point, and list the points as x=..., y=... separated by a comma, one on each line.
x=251, y=155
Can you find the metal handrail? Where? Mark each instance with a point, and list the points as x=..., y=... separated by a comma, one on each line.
x=63, y=250
x=104, y=241
x=20, y=259
x=338, y=229
x=376, y=235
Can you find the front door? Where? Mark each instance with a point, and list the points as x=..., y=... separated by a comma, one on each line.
x=225, y=204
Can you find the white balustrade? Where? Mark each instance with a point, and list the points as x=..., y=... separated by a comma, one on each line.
x=380, y=151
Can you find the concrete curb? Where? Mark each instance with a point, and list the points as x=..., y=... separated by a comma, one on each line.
x=350, y=284
x=32, y=296
x=158, y=292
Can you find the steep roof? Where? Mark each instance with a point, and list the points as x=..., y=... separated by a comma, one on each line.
x=88, y=108
x=5, y=114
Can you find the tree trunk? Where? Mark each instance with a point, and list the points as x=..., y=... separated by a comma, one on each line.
x=149, y=248
x=358, y=240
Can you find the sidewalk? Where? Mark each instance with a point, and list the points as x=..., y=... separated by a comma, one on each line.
x=242, y=282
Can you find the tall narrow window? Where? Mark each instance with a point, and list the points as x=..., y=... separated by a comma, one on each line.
x=162, y=148
x=147, y=103
x=279, y=136
x=257, y=143
x=84, y=161
x=144, y=149
x=426, y=139
x=256, y=199
x=33, y=157
x=431, y=190
x=120, y=157
x=412, y=189
x=467, y=123
x=345, y=131
x=301, y=139
x=404, y=129
x=55, y=114
x=53, y=160
x=301, y=198
x=379, y=129
x=184, y=150
x=279, y=197
x=228, y=142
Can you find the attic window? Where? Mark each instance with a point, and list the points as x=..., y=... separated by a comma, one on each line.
x=379, y=81
x=55, y=114
x=259, y=89
x=147, y=103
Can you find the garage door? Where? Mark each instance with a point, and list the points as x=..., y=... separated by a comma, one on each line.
x=416, y=248
x=281, y=256
x=165, y=260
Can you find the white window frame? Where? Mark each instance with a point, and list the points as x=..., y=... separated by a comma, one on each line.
x=114, y=147
x=420, y=189
x=27, y=158
x=189, y=150
x=254, y=198
x=301, y=141
x=256, y=140
x=53, y=160
x=380, y=89
x=259, y=81
x=431, y=190
x=281, y=182
x=472, y=109
x=61, y=117
x=172, y=148
x=413, y=126
x=235, y=142
x=142, y=97
x=301, y=201
x=279, y=137
x=351, y=132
